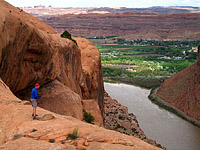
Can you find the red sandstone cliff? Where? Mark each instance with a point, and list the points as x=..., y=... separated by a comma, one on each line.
x=92, y=87
x=31, y=51
x=183, y=90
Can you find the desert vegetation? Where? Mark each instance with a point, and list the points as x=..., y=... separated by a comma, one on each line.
x=51, y=140
x=67, y=35
x=88, y=117
x=74, y=134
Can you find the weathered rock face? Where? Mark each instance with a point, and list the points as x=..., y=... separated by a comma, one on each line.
x=116, y=117
x=92, y=86
x=19, y=131
x=31, y=51
x=55, y=95
x=30, y=54
x=182, y=90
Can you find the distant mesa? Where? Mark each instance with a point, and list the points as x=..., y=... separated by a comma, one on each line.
x=129, y=25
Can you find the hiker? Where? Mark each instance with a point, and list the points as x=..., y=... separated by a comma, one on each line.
x=34, y=97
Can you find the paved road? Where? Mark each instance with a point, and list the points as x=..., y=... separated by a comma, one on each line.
x=178, y=110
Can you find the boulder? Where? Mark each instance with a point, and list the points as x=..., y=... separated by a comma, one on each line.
x=46, y=117
x=58, y=98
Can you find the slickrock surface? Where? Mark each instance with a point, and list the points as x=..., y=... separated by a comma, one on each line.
x=116, y=117
x=19, y=131
x=183, y=90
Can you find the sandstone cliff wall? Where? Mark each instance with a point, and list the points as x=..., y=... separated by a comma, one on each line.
x=31, y=51
x=92, y=87
x=182, y=90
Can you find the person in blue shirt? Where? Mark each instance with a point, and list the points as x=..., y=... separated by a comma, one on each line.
x=34, y=97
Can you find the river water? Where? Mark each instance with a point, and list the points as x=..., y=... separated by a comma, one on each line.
x=158, y=124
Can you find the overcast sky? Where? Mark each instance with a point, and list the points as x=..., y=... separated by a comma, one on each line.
x=105, y=3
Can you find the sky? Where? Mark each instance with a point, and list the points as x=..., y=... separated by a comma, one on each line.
x=105, y=3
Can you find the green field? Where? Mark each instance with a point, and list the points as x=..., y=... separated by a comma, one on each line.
x=143, y=63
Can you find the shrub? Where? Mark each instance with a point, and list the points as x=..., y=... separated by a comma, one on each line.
x=16, y=136
x=129, y=120
x=51, y=140
x=118, y=126
x=74, y=134
x=121, y=117
x=88, y=117
x=133, y=129
x=67, y=35
x=34, y=130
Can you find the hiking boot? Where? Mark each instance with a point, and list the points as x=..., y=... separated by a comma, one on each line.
x=35, y=119
x=35, y=115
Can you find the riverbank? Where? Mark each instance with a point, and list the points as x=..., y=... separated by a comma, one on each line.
x=116, y=117
x=158, y=124
x=163, y=104
x=154, y=98
x=147, y=83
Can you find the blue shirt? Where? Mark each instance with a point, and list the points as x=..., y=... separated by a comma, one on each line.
x=34, y=94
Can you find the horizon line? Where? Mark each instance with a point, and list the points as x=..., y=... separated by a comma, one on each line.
x=104, y=6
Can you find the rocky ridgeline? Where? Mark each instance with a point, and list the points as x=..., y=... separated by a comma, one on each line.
x=116, y=117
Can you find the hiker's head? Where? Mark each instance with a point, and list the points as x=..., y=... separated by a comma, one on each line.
x=37, y=85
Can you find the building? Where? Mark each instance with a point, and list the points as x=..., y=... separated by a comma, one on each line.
x=39, y=6
x=194, y=49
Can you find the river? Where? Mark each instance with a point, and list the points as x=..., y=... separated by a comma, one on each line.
x=164, y=127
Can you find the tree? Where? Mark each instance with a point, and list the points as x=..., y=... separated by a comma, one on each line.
x=67, y=35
